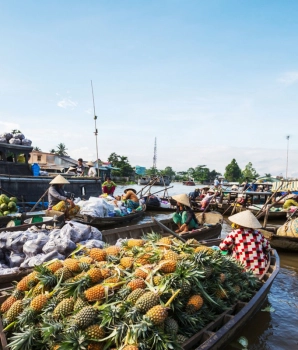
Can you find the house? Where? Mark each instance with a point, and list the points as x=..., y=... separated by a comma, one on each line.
x=50, y=162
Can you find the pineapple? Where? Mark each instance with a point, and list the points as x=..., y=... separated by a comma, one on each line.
x=130, y=347
x=136, y=283
x=127, y=262
x=95, y=346
x=112, y=250
x=142, y=272
x=135, y=243
x=95, y=293
x=64, y=308
x=185, y=287
x=6, y=305
x=222, y=278
x=98, y=254
x=157, y=280
x=171, y=326
x=165, y=241
x=105, y=273
x=14, y=311
x=170, y=255
x=157, y=314
x=54, y=266
x=167, y=266
x=94, y=274
x=194, y=304
x=65, y=271
x=27, y=282
x=72, y=264
x=221, y=293
x=147, y=301
x=236, y=289
x=86, y=259
x=135, y=295
x=95, y=332
x=38, y=303
x=84, y=318
x=79, y=304
x=181, y=339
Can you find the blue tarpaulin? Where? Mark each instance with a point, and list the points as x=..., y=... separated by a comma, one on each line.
x=140, y=170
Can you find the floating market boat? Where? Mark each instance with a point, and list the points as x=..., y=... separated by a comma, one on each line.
x=163, y=180
x=280, y=242
x=108, y=221
x=188, y=183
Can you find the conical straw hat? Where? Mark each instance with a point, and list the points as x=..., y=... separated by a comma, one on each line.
x=182, y=198
x=59, y=180
x=90, y=163
x=246, y=219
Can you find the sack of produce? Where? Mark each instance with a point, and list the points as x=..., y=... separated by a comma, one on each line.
x=6, y=135
x=14, y=141
x=19, y=136
x=75, y=231
x=93, y=243
x=15, y=242
x=26, y=142
x=289, y=229
x=15, y=259
x=31, y=248
x=54, y=233
x=41, y=258
x=3, y=238
x=3, y=140
x=65, y=246
x=95, y=234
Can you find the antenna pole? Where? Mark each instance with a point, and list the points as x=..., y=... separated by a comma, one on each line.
x=288, y=139
x=96, y=131
x=154, y=157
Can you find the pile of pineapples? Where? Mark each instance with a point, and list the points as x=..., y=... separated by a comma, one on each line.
x=150, y=293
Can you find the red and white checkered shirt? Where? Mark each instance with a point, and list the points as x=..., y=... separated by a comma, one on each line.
x=249, y=247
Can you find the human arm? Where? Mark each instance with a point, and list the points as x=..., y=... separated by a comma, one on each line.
x=227, y=242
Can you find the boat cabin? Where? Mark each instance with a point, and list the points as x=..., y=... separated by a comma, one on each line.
x=14, y=159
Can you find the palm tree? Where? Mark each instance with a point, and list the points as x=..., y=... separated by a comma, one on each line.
x=36, y=149
x=267, y=175
x=52, y=150
x=61, y=150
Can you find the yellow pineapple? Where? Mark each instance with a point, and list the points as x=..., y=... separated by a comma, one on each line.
x=95, y=293
x=94, y=274
x=147, y=301
x=98, y=254
x=105, y=272
x=95, y=332
x=142, y=272
x=86, y=259
x=6, y=305
x=165, y=241
x=14, y=311
x=136, y=283
x=157, y=280
x=72, y=264
x=54, y=266
x=112, y=250
x=195, y=302
x=170, y=255
x=38, y=303
x=127, y=262
x=130, y=347
x=167, y=266
x=95, y=346
x=157, y=314
x=135, y=243
x=27, y=282
x=64, y=308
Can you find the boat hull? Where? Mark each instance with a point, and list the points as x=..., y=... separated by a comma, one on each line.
x=281, y=242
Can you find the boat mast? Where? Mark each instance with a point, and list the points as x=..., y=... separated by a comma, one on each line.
x=154, y=157
x=288, y=138
x=96, y=131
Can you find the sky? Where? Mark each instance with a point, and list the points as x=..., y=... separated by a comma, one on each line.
x=210, y=80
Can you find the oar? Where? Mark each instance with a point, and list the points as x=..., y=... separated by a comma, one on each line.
x=167, y=229
x=40, y=199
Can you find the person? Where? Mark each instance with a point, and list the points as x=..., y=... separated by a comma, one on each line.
x=291, y=201
x=248, y=244
x=260, y=188
x=195, y=194
x=234, y=188
x=80, y=167
x=91, y=170
x=71, y=171
x=204, y=191
x=216, y=182
x=207, y=199
x=184, y=217
x=58, y=199
x=130, y=198
x=108, y=186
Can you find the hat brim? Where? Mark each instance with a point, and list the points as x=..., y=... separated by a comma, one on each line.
x=59, y=180
x=182, y=198
x=245, y=219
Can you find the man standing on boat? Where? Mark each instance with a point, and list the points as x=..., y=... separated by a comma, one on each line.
x=80, y=167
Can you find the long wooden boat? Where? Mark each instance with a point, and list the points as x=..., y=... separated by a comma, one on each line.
x=108, y=221
x=219, y=332
x=188, y=183
x=21, y=222
x=280, y=242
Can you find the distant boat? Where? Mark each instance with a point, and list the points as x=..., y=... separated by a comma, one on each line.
x=162, y=180
x=189, y=183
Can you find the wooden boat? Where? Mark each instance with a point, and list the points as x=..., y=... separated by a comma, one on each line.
x=188, y=183
x=155, y=180
x=108, y=221
x=218, y=333
x=280, y=242
x=22, y=221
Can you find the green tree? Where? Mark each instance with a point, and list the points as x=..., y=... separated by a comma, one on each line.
x=268, y=175
x=152, y=171
x=249, y=172
x=233, y=172
x=61, y=150
x=168, y=171
x=52, y=150
x=201, y=173
x=191, y=172
x=16, y=131
x=121, y=162
x=36, y=149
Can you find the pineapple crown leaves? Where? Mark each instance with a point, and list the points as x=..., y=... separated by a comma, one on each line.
x=74, y=340
x=80, y=248
x=50, y=329
x=24, y=340
x=153, y=237
x=45, y=276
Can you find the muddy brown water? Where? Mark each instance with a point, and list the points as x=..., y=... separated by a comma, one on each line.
x=274, y=326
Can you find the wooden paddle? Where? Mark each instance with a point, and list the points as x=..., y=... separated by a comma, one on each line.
x=167, y=229
x=40, y=199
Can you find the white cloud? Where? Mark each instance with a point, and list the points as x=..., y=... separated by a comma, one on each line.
x=7, y=127
x=288, y=78
x=67, y=103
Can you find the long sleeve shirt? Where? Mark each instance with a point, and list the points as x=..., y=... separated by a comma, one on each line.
x=189, y=212
x=55, y=195
x=92, y=172
x=249, y=247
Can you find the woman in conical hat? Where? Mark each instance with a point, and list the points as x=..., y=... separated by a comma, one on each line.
x=248, y=244
x=184, y=216
x=58, y=199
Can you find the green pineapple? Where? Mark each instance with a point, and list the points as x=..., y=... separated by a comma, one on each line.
x=64, y=308
x=147, y=301
x=135, y=295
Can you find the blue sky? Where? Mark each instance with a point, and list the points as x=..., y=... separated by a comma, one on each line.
x=211, y=80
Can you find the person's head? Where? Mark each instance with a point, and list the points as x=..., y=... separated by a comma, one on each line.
x=59, y=181
x=130, y=189
x=182, y=199
x=108, y=179
x=90, y=164
x=245, y=219
x=80, y=161
x=210, y=192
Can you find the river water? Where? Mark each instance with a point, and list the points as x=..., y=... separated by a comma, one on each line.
x=274, y=327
